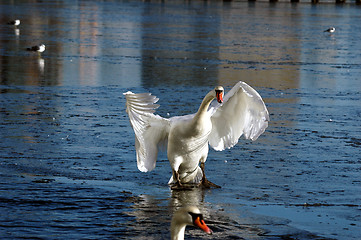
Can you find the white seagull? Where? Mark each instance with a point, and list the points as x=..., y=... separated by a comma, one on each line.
x=330, y=30
x=39, y=49
x=15, y=22
x=187, y=216
x=241, y=112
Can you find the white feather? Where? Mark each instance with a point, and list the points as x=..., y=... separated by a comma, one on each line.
x=242, y=112
x=151, y=131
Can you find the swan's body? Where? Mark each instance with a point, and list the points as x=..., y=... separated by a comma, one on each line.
x=243, y=112
x=187, y=216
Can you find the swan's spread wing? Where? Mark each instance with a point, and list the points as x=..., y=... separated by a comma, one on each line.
x=151, y=131
x=243, y=112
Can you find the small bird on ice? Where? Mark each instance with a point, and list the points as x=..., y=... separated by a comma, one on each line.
x=39, y=49
x=331, y=30
x=15, y=22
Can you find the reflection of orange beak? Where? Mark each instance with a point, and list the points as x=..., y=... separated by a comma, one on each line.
x=202, y=225
x=219, y=95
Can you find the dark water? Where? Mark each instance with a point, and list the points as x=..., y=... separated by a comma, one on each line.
x=67, y=157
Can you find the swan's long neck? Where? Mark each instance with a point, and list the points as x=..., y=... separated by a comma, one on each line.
x=177, y=232
x=205, y=104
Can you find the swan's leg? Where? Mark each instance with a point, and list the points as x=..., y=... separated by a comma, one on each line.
x=177, y=184
x=205, y=182
x=175, y=163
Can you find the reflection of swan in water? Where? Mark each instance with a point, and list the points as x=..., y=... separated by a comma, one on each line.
x=189, y=197
x=193, y=196
x=156, y=212
x=220, y=125
x=41, y=63
x=184, y=216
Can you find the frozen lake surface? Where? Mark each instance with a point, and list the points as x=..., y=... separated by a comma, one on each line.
x=67, y=157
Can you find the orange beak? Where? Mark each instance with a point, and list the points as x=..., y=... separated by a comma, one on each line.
x=219, y=95
x=202, y=225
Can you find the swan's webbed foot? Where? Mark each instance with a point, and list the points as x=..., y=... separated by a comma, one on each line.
x=205, y=182
x=181, y=186
x=177, y=185
x=208, y=184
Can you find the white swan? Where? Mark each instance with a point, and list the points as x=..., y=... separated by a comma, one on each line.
x=220, y=125
x=187, y=216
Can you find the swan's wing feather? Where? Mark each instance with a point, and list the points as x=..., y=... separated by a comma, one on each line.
x=151, y=131
x=176, y=119
x=242, y=112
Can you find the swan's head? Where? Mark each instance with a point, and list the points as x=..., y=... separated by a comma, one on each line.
x=190, y=216
x=219, y=93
